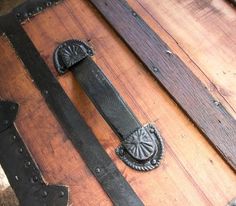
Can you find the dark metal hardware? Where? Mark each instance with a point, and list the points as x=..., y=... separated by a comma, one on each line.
x=142, y=146
x=21, y=170
x=30, y=8
x=93, y=154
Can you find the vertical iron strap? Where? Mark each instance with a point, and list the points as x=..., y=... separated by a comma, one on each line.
x=93, y=154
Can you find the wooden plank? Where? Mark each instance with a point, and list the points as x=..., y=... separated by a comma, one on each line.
x=57, y=158
x=191, y=172
x=209, y=116
x=214, y=26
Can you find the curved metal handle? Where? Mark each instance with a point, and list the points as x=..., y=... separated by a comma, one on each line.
x=142, y=146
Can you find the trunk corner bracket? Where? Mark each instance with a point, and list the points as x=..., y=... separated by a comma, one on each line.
x=20, y=168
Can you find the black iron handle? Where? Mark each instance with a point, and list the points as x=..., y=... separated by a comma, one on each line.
x=142, y=146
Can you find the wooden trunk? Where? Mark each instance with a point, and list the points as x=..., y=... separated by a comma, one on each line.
x=201, y=33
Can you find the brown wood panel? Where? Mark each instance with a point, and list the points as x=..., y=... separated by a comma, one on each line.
x=206, y=32
x=209, y=116
x=180, y=83
x=59, y=162
x=192, y=173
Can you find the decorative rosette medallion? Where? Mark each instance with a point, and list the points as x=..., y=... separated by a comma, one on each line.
x=70, y=53
x=143, y=149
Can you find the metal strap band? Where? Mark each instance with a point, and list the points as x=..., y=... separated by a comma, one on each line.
x=73, y=124
x=21, y=170
x=106, y=98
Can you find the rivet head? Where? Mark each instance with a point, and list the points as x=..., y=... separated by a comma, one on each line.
x=121, y=152
x=216, y=103
x=34, y=179
x=134, y=13
x=168, y=52
x=44, y=193
x=14, y=137
x=154, y=162
x=39, y=8
x=18, y=14
x=6, y=122
x=152, y=130
x=17, y=178
x=97, y=170
x=27, y=164
x=20, y=150
x=155, y=69
x=62, y=194
x=13, y=107
x=45, y=91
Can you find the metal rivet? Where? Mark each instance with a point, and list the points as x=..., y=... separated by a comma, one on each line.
x=49, y=3
x=17, y=178
x=152, y=130
x=29, y=14
x=97, y=170
x=45, y=91
x=34, y=179
x=44, y=194
x=155, y=69
x=13, y=107
x=216, y=103
x=14, y=137
x=62, y=194
x=154, y=162
x=39, y=8
x=134, y=13
x=90, y=52
x=168, y=52
x=121, y=151
x=27, y=164
x=18, y=14
x=20, y=150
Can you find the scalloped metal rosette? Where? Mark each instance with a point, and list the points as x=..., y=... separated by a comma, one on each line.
x=143, y=149
x=69, y=53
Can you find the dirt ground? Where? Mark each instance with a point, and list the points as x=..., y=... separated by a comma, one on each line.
x=7, y=196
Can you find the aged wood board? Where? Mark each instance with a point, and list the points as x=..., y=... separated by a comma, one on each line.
x=192, y=172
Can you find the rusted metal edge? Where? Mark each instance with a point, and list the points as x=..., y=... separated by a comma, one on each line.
x=31, y=8
x=211, y=118
x=20, y=168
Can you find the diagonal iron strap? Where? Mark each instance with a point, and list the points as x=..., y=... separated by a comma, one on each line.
x=186, y=89
x=142, y=146
x=21, y=170
x=93, y=154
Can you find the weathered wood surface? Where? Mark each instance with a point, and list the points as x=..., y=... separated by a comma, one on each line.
x=214, y=121
x=192, y=173
x=205, y=31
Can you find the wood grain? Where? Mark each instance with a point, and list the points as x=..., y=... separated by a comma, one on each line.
x=54, y=153
x=192, y=173
x=198, y=28
x=209, y=116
